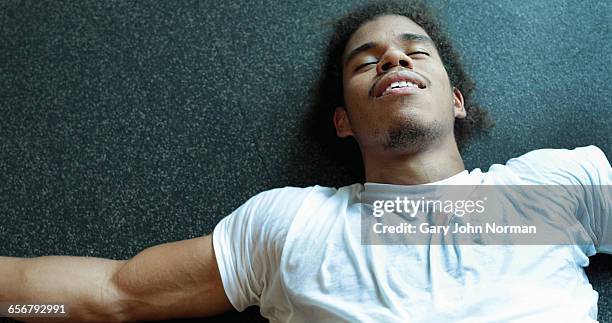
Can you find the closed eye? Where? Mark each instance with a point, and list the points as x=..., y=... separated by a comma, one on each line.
x=364, y=65
x=413, y=53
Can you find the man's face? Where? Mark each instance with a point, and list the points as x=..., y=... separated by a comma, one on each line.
x=383, y=109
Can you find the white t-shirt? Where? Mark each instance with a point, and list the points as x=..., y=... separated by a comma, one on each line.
x=296, y=253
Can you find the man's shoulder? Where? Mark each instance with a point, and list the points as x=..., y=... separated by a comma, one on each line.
x=575, y=153
x=292, y=197
x=558, y=166
x=292, y=192
x=553, y=158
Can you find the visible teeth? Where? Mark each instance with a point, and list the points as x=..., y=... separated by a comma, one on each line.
x=400, y=84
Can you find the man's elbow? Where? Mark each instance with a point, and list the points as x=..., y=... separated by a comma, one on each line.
x=110, y=301
x=120, y=302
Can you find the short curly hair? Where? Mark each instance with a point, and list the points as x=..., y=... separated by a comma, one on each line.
x=328, y=90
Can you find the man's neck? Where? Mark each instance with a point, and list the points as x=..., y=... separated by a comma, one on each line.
x=435, y=163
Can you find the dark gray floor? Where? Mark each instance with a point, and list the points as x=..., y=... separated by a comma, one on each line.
x=128, y=124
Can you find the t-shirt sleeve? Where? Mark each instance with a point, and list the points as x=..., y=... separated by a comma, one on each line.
x=585, y=167
x=248, y=243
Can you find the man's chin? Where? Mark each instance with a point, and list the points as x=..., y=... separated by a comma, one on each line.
x=412, y=135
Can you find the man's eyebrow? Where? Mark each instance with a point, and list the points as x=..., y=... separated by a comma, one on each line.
x=415, y=38
x=359, y=50
x=404, y=37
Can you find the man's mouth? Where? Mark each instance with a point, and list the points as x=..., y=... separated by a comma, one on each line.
x=399, y=85
x=402, y=82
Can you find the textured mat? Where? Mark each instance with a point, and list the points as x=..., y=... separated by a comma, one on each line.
x=126, y=124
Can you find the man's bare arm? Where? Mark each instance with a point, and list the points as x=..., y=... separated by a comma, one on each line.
x=172, y=280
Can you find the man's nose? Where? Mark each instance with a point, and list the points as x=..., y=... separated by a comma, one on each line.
x=393, y=58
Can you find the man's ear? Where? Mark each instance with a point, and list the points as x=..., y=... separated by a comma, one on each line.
x=458, y=106
x=342, y=123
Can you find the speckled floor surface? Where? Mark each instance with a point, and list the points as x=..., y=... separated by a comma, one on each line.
x=128, y=124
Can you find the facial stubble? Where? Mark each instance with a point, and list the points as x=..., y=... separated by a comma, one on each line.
x=412, y=135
